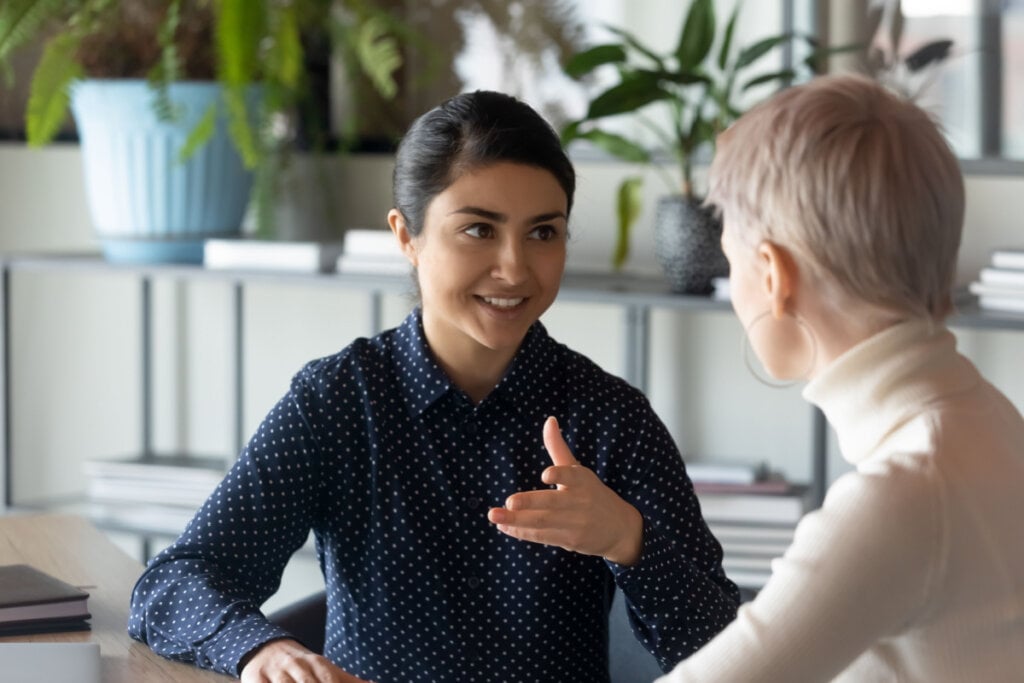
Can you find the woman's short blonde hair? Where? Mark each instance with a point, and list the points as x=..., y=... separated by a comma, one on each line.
x=857, y=182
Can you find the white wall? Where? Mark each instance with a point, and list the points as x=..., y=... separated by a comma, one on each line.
x=75, y=350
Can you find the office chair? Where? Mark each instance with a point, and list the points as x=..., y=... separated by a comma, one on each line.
x=628, y=661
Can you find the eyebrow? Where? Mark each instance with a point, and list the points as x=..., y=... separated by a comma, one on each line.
x=498, y=217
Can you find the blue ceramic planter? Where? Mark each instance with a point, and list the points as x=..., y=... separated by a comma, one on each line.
x=147, y=206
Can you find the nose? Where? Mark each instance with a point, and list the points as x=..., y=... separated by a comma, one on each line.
x=510, y=262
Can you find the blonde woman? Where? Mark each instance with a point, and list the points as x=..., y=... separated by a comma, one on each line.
x=842, y=209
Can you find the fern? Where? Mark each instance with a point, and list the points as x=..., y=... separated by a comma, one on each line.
x=201, y=134
x=48, y=95
x=168, y=69
x=378, y=54
x=240, y=23
x=21, y=21
x=286, y=49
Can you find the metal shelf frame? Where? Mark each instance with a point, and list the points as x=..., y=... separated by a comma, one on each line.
x=637, y=296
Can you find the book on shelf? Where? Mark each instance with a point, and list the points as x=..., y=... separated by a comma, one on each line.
x=1010, y=304
x=32, y=601
x=247, y=253
x=758, y=507
x=183, y=480
x=1009, y=258
x=373, y=252
x=1002, y=277
x=725, y=473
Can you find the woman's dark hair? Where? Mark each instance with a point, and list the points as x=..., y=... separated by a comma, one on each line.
x=467, y=132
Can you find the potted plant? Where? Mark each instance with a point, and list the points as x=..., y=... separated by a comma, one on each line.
x=699, y=84
x=180, y=103
x=885, y=59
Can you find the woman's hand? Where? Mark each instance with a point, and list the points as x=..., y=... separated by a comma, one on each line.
x=580, y=514
x=288, y=661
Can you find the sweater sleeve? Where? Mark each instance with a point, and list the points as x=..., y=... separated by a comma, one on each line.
x=858, y=569
x=677, y=594
x=199, y=600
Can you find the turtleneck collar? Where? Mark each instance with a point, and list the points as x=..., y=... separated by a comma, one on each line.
x=878, y=385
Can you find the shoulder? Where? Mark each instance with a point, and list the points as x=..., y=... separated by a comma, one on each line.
x=589, y=385
x=359, y=363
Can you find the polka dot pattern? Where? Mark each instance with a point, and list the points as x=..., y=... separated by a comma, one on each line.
x=393, y=468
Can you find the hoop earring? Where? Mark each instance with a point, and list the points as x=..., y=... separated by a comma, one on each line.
x=764, y=378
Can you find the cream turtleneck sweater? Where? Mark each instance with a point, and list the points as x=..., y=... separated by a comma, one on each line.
x=913, y=569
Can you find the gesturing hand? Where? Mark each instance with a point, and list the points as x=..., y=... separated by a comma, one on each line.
x=285, y=661
x=579, y=514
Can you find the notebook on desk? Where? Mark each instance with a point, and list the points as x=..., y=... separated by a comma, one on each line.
x=50, y=662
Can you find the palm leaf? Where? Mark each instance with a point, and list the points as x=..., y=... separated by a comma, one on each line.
x=635, y=91
x=759, y=49
x=637, y=45
x=697, y=35
x=584, y=62
x=616, y=145
x=48, y=95
x=730, y=27
x=785, y=75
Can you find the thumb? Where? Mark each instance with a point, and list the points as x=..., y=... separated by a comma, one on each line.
x=555, y=444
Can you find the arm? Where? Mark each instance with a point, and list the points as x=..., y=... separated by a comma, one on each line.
x=858, y=570
x=199, y=600
x=645, y=521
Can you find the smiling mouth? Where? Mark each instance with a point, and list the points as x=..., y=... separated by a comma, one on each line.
x=501, y=302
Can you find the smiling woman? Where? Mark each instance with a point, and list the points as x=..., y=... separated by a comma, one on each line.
x=415, y=457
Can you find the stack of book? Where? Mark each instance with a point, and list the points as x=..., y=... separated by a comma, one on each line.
x=156, y=492
x=247, y=253
x=32, y=601
x=753, y=513
x=1000, y=286
x=374, y=252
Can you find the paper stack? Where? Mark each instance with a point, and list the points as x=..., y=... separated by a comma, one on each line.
x=246, y=253
x=160, y=492
x=373, y=252
x=1000, y=286
x=752, y=512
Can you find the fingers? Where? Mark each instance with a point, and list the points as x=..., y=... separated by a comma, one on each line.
x=555, y=444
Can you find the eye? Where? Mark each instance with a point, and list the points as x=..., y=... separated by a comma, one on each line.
x=480, y=230
x=544, y=233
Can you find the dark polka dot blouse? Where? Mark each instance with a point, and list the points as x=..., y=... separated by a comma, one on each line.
x=393, y=468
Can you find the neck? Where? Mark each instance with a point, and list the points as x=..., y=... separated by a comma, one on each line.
x=840, y=326
x=472, y=367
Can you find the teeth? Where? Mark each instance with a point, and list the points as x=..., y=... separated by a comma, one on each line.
x=503, y=303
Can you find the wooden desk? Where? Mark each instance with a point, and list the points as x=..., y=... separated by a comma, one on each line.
x=73, y=550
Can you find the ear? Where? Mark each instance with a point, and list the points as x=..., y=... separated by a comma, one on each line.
x=405, y=239
x=779, y=274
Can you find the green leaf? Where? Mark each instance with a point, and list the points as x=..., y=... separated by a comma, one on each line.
x=48, y=95
x=379, y=55
x=628, y=206
x=634, y=92
x=240, y=23
x=21, y=21
x=697, y=36
x=570, y=132
x=286, y=48
x=637, y=45
x=616, y=145
x=584, y=62
x=759, y=49
x=784, y=75
x=723, y=54
x=200, y=135
x=680, y=77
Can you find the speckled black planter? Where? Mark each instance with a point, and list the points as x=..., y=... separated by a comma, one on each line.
x=687, y=242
